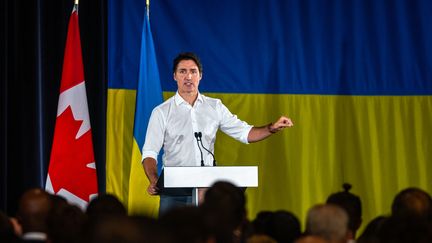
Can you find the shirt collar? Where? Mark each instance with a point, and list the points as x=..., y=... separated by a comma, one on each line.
x=34, y=236
x=179, y=100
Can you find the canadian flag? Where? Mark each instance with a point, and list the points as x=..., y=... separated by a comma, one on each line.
x=72, y=168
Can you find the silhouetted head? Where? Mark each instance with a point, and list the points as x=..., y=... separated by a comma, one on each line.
x=327, y=221
x=66, y=224
x=371, y=232
x=351, y=204
x=116, y=228
x=104, y=205
x=404, y=230
x=33, y=209
x=412, y=202
x=283, y=226
x=186, y=225
x=228, y=200
x=224, y=207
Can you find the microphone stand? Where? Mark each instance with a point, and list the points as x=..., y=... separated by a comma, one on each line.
x=198, y=139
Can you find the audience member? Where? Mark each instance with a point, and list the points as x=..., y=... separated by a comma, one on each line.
x=370, y=233
x=221, y=218
x=33, y=209
x=410, y=220
x=412, y=202
x=66, y=224
x=152, y=230
x=114, y=229
x=57, y=201
x=104, y=205
x=329, y=222
x=352, y=206
x=261, y=221
x=281, y=225
x=186, y=225
x=405, y=230
x=224, y=208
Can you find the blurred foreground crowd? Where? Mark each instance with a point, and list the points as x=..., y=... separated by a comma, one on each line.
x=221, y=218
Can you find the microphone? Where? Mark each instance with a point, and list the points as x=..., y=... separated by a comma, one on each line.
x=198, y=138
x=214, y=159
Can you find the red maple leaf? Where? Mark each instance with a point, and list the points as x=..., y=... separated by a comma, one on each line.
x=70, y=156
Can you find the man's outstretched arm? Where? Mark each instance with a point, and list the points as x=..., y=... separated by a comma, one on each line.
x=259, y=133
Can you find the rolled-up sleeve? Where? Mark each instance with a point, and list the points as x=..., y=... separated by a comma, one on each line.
x=154, y=135
x=233, y=126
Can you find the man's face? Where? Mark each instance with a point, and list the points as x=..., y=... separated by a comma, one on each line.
x=188, y=77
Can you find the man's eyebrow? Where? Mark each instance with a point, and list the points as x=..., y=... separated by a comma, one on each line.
x=193, y=68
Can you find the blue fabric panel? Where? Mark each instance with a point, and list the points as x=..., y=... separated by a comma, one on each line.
x=125, y=22
x=358, y=47
x=149, y=93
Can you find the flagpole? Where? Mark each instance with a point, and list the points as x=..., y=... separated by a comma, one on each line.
x=76, y=3
x=147, y=8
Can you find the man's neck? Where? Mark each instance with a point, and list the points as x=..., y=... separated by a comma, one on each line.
x=189, y=97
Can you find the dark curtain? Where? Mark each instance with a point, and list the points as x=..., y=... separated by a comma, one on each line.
x=33, y=36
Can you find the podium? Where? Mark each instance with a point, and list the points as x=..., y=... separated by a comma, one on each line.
x=195, y=177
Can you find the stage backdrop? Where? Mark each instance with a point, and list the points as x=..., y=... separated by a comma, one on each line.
x=354, y=76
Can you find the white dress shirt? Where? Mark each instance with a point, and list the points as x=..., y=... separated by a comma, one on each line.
x=173, y=123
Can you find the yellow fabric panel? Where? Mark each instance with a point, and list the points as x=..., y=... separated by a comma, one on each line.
x=379, y=144
x=120, y=118
x=125, y=176
x=140, y=202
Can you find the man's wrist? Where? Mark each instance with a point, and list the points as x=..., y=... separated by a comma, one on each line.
x=270, y=128
x=154, y=180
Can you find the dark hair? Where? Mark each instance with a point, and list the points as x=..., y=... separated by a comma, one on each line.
x=185, y=224
x=372, y=230
x=66, y=224
x=187, y=56
x=350, y=203
x=283, y=226
x=412, y=202
x=105, y=204
x=224, y=209
x=397, y=229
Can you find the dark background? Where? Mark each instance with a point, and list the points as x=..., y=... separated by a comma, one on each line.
x=32, y=42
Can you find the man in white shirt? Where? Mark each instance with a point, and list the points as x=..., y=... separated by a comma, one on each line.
x=172, y=125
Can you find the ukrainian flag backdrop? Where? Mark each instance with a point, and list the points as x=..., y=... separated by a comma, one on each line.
x=134, y=91
x=354, y=76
